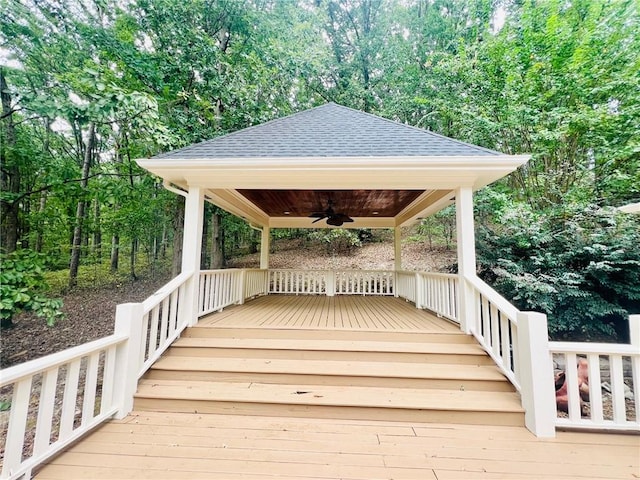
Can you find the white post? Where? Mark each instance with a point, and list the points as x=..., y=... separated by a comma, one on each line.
x=634, y=330
x=265, y=243
x=242, y=287
x=129, y=318
x=397, y=248
x=634, y=339
x=420, y=295
x=330, y=282
x=536, y=374
x=191, y=250
x=466, y=243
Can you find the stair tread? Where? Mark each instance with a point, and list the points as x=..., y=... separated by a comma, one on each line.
x=332, y=367
x=331, y=345
x=268, y=333
x=322, y=395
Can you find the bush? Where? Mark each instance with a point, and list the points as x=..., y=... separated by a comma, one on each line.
x=21, y=288
x=337, y=240
x=578, y=264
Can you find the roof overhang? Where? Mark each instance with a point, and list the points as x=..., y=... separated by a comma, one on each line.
x=631, y=208
x=436, y=176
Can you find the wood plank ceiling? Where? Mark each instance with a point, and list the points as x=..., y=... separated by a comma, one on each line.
x=355, y=203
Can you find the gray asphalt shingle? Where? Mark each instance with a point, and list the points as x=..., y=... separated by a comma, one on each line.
x=330, y=130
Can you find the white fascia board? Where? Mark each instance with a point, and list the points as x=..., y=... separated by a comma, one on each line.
x=631, y=208
x=332, y=173
x=358, y=222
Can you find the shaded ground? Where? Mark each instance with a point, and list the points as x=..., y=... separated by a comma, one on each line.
x=90, y=312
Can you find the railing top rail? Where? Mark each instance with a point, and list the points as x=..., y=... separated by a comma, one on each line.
x=595, y=348
x=165, y=291
x=438, y=274
x=494, y=297
x=225, y=270
x=12, y=374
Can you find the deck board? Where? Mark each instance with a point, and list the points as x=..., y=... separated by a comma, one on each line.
x=198, y=446
x=329, y=313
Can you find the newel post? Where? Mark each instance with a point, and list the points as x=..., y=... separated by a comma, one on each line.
x=536, y=374
x=129, y=356
x=242, y=287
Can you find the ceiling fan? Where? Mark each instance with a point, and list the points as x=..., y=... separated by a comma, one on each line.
x=333, y=218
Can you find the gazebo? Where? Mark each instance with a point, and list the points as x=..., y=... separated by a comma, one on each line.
x=358, y=360
x=383, y=174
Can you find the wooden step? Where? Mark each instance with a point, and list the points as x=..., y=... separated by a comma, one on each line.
x=348, y=350
x=322, y=401
x=331, y=372
x=200, y=331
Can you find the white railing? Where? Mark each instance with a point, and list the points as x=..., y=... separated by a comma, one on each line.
x=300, y=282
x=599, y=385
x=68, y=393
x=406, y=285
x=256, y=283
x=496, y=327
x=219, y=289
x=364, y=282
x=73, y=391
x=162, y=321
x=517, y=342
x=439, y=293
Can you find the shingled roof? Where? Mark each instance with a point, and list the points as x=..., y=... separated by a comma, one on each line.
x=330, y=130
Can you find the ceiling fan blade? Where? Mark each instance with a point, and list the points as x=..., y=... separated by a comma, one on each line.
x=343, y=218
x=318, y=215
x=335, y=221
x=318, y=219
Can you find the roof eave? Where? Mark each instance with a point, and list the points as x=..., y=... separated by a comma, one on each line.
x=336, y=172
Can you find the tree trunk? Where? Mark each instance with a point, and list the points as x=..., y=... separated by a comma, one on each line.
x=97, y=232
x=10, y=174
x=178, y=227
x=254, y=241
x=115, y=253
x=80, y=211
x=217, y=250
x=132, y=258
x=40, y=232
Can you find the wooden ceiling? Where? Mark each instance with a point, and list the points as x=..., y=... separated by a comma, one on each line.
x=355, y=203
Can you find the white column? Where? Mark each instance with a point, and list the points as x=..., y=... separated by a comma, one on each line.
x=536, y=374
x=465, y=235
x=191, y=250
x=397, y=248
x=265, y=244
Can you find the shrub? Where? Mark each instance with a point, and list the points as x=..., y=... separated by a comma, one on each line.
x=21, y=288
x=578, y=264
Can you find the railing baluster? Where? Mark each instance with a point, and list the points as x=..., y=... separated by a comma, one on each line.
x=617, y=389
x=45, y=411
x=69, y=399
x=90, y=385
x=595, y=390
x=17, y=425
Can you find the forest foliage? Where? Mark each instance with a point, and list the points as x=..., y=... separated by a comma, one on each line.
x=89, y=86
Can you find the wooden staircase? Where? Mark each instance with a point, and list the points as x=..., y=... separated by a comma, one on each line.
x=364, y=375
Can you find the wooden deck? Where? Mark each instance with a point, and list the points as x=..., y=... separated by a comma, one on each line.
x=331, y=313
x=332, y=387
x=198, y=446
